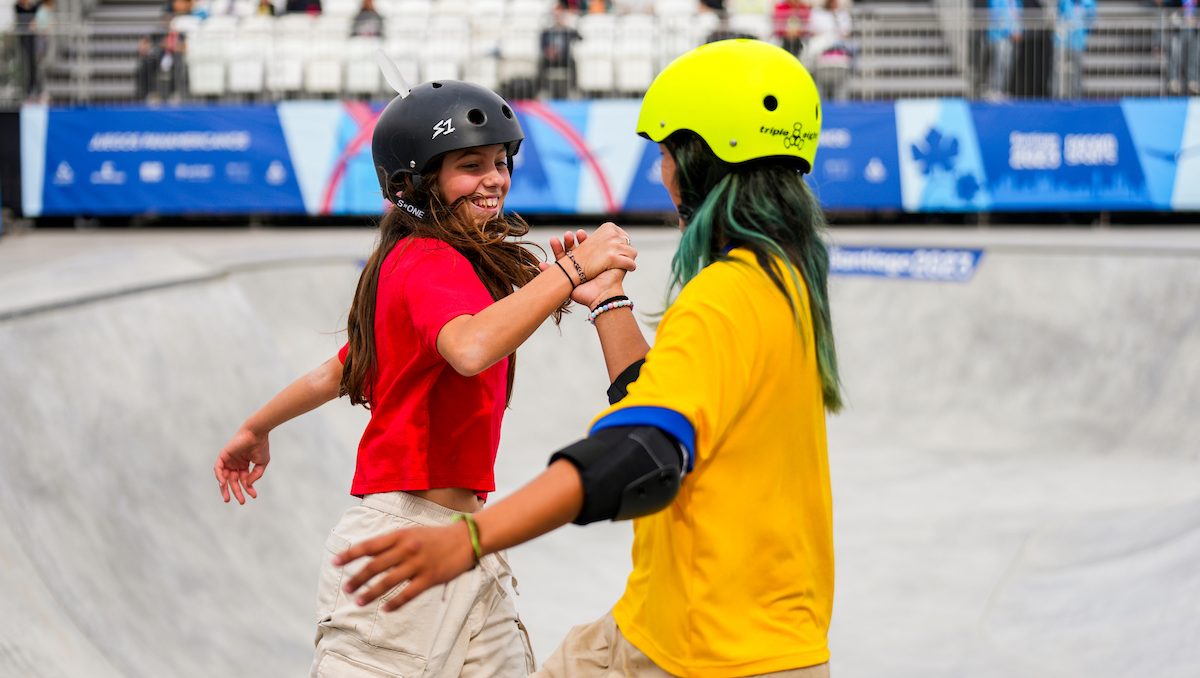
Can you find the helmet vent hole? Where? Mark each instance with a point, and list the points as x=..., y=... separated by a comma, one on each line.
x=507, y=112
x=770, y=102
x=476, y=116
x=818, y=110
x=437, y=85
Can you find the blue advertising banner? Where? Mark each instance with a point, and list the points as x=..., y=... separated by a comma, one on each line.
x=1064, y=156
x=314, y=157
x=857, y=164
x=212, y=160
x=935, y=264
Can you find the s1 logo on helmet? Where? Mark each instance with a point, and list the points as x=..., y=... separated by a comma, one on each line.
x=443, y=127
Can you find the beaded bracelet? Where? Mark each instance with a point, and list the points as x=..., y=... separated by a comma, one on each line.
x=604, y=308
x=473, y=530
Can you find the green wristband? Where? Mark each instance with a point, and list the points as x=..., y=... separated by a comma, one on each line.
x=473, y=530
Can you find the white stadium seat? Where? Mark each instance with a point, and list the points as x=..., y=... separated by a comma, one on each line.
x=757, y=25
x=362, y=71
x=323, y=72
x=597, y=26
x=247, y=64
x=294, y=25
x=404, y=55
x=483, y=71
x=594, y=66
x=635, y=45
x=327, y=27
x=245, y=8
x=675, y=8
x=340, y=8
x=285, y=68
x=518, y=54
x=185, y=24
x=411, y=10
x=459, y=9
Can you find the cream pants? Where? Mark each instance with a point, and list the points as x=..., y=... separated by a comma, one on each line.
x=468, y=627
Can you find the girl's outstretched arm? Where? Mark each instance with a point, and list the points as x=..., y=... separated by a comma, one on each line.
x=473, y=343
x=428, y=556
x=244, y=458
x=620, y=337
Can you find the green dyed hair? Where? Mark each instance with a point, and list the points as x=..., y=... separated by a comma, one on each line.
x=766, y=207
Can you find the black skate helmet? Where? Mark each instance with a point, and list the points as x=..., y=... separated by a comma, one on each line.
x=435, y=118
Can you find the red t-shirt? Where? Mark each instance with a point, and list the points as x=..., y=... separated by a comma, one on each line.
x=430, y=426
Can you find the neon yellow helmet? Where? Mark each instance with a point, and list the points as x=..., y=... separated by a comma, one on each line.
x=747, y=99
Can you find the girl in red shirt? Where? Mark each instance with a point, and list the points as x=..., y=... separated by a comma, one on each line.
x=433, y=331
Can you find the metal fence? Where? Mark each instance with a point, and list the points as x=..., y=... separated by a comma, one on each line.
x=941, y=53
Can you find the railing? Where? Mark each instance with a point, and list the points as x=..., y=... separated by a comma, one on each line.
x=258, y=58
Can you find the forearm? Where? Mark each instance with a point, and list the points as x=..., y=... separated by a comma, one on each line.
x=302, y=395
x=549, y=501
x=621, y=339
x=471, y=344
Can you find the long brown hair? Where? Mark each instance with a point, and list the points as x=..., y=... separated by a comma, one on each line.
x=499, y=257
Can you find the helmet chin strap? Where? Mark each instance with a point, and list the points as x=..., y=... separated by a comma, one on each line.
x=402, y=204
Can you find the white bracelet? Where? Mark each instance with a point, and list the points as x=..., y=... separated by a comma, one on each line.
x=608, y=307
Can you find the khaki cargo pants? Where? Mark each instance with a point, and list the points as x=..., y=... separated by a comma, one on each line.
x=468, y=627
x=599, y=650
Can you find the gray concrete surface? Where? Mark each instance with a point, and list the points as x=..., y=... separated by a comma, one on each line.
x=1016, y=477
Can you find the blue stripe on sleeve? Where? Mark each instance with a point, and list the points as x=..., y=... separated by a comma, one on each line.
x=675, y=424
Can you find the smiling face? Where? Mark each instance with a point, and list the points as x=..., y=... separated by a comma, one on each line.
x=479, y=173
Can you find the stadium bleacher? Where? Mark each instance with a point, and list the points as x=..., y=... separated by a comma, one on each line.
x=904, y=49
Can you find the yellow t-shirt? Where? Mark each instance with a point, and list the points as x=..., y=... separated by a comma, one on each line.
x=735, y=577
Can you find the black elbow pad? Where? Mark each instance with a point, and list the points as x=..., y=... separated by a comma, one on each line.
x=620, y=386
x=627, y=472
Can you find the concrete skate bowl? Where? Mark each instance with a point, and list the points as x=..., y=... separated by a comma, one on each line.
x=1016, y=477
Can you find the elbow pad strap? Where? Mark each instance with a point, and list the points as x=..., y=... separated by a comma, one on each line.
x=620, y=386
x=627, y=472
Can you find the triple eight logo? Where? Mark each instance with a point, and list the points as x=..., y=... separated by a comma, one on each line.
x=794, y=138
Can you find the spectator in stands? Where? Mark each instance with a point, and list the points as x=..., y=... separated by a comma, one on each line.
x=172, y=65
x=556, y=66
x=977, y=49
x=1004, y=31
x=46, y=42
x=368, y=22
x=1183, y=64
x=1071, y=26
x=146, y=75
x=791, y=24
x=265, y=8
x=303, y=6
x=25, y=11
x=717, y=6
x=1034, y=51
x=830, y=53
